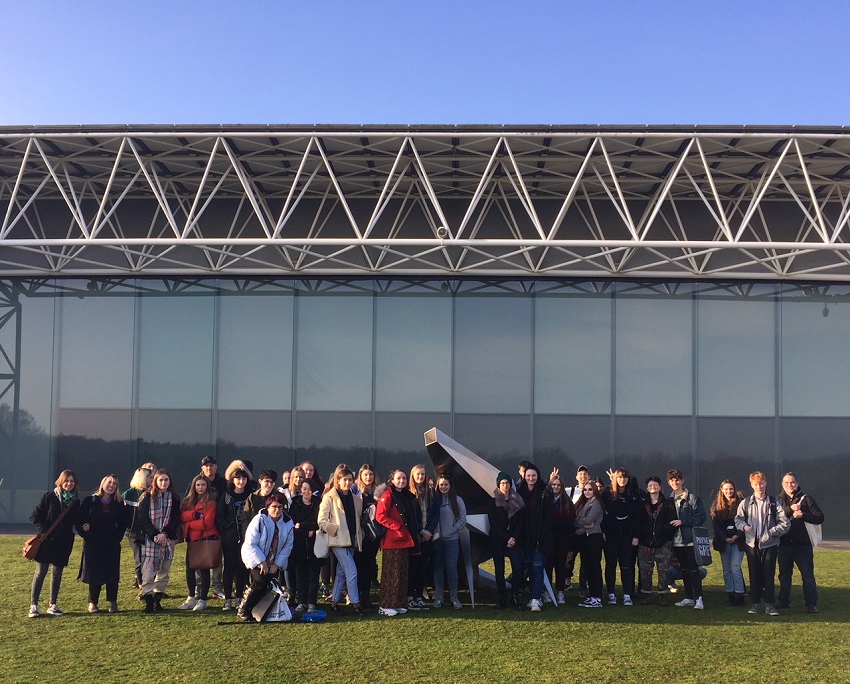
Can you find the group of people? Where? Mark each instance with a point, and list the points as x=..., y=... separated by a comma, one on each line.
x=301, y=532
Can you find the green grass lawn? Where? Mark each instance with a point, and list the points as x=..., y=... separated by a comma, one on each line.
x=565, y=644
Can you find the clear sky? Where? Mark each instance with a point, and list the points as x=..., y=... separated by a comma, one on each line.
x=424, y=62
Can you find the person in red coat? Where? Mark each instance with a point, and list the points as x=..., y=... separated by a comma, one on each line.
x=397, y=511
x=197, y=513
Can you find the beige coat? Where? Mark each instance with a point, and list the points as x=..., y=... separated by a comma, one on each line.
x=332, y=520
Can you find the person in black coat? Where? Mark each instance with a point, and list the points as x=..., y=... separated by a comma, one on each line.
x=503, y=516
x=621, y=526
x=101, y=522
x=56, y=549
x=536, y=536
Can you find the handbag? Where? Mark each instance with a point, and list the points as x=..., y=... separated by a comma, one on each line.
x=204, y=554
x=33, y=545
x=702, y=546
x=815, y=530
x=371, y=527
x=321, y=547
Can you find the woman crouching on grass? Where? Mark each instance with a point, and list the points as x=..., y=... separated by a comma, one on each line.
x=197, y=513
x=397, y=511
x=159, y=524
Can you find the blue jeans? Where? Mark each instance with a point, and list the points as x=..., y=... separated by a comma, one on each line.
x=346, y=573
x=535, y=562
x=804, y=557
x=446, y=552
x=733, y=577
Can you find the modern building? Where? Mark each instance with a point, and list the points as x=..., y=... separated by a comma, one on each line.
x=645, y=297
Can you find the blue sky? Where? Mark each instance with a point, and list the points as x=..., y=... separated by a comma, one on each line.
x=461, y=62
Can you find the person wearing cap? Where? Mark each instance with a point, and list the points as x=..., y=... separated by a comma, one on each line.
x=502, y=514
x=582, y=477
x=268, y=543
x=209, y=467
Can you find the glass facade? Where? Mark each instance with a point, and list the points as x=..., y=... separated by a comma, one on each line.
x=717, y=379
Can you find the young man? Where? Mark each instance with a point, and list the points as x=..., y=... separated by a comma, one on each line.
x=257, y=500
x=796, y=547
x=763, y=522
x=690, y=513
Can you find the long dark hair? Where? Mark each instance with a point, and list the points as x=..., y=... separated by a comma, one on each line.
x=452, y=497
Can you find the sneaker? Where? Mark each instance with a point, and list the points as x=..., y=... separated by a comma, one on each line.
x=770, y=609
x=438, y=603
x=627, y=600
x=699, y=604
x=188, y=604
x=390, y=612
x=535, y=606
x=547, y=598
x=113, y=606
x=685, y=603
x=53, y=609
x=568, y=586
x=586, y=603
x=219, y=594
x=33, y=611
x=301, y=608
x=809, y=609
x=591, y=603
x=400, y=610
x=200, y=605
x=561, y=599
x=612, y=599
x=420, y=603
x=456, y=604
x=93, y=608
x=755, y=610
x=311, y=607
x=413, y=604
x=228, y=604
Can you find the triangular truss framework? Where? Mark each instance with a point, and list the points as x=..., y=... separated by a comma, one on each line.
x=586, y=202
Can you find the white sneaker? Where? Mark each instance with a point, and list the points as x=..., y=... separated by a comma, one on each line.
x=33, y=611
x=698, y=605
x=535, y=606
x=400, y=610
x=685, y=603
x=438, y=603
x=612, y=599
x=547, y=598
x=456, y=604
x=311, y=607
x=53, y=609
x=561, y=598
x=200, y=605
x=627, y=600
x=387, y=611
x=228, y=604
x=188, y=604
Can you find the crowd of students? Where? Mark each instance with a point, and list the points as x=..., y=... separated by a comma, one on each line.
x=321, y=541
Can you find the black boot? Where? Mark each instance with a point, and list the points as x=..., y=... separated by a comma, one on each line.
x=733, y=598
x=249, y=599
x=503, y=601
x=516, y=604
x=157, y=602
x=148, y=598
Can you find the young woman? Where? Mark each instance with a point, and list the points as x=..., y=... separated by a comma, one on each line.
x=589, y=514
x=365, y=559
x=56, y=549
x=141, y=482
x=311, y=473
x=563, y=531
x=447, y=520
x=292, y=490
x=421, y=555
x=197, y=513
x=159, y=525
x=232, y=520
x=620, y=527
x=729, y=541
x=303, y=564
x=536, y=534
x=656, y=546
x=339, y=518
x=101, y=523
x=504, y=531
x=397, y=511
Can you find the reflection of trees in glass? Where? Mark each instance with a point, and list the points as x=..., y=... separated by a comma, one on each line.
x=26, y=422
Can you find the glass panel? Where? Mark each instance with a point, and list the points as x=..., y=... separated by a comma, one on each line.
x=572, y=355
x=400, y=439
x=493, y=346
x=413, y=360
x=736, y=358
x=94, y=443
x=261, y=437
x=176, y=440
x=502, y=440
x=570, y=441
x=815, y=362
x=255, y=352
x=96, y=356
x=176, y=352
x=652, y=446
x=334, y=353
x=654, y=355
x=330, y=438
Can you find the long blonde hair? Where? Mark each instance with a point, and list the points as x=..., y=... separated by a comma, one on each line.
x=102, y=489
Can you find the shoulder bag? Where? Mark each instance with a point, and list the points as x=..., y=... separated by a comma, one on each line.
x=33, y=544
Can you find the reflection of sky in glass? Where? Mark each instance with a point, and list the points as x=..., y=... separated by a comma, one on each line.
x=654, y=352
x=36, y=360
x=334, y=353
x=736, y=358
x=255, y=353
x=815, y=359
x=176, y=352
x=493, y=355
x=414, y=354
x=572, y=355
x=96, y=355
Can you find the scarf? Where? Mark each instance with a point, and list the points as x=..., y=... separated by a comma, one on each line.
x=67, y=498
x=513, y=504
x=160, y=513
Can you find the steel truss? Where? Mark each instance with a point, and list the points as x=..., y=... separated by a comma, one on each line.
x=569, y=202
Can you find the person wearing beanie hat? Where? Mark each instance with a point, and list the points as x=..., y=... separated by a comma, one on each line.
x=503, y=476
x=504, y=516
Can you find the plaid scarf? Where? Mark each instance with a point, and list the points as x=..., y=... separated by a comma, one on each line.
x=154, y=554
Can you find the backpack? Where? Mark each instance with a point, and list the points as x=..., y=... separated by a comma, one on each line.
x=371, y=527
